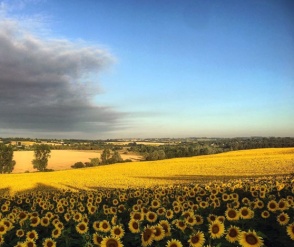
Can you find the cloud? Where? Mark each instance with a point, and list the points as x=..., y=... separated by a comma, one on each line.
x=43, y=84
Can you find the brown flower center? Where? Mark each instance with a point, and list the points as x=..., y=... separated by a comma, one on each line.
x=232, y=213
x=251, y=239
x=215, y=229
x=111, y=243
x=147, y=234
x=195, y=239
x=233, y=233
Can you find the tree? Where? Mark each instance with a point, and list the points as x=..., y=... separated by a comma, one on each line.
x=78, y=165
x=6, y=159
x=95, y=161
x=116, y=158
x=105, y=156
x=42, y=154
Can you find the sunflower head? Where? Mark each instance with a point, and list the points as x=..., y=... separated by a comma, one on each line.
x=250, y=239
x=197, y=239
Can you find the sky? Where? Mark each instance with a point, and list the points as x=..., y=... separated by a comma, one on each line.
x=98, y=69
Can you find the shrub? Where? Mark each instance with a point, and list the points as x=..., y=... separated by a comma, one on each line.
x=78, y=165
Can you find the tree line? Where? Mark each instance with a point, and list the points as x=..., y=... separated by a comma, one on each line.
x=42, y=153
x=205, y=147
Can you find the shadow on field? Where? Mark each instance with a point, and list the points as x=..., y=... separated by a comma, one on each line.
x=40, y=187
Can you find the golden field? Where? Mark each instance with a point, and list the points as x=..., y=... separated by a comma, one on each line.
x=257, y=162
x=60, y=159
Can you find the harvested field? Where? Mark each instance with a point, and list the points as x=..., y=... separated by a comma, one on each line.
x=60, y=159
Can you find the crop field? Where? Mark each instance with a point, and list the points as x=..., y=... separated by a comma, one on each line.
x=60, y=159
x=242, y=198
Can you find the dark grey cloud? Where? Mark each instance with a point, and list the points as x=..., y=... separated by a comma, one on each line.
x=42, y=84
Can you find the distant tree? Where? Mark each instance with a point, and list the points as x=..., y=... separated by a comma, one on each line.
x=6, y=159
x=161, y=154
x=105, y=156
x=116, y=158
x=42, y=154
x=78, y=165
x=95, y=161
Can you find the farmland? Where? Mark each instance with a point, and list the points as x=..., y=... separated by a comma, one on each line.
x=257, y=162
x=239, y=198
x=60, y=159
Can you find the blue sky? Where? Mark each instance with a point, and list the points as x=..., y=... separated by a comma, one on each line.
x=173, y=68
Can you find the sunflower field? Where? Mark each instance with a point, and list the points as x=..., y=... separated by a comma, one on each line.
x=144, y=204
x=240, y=212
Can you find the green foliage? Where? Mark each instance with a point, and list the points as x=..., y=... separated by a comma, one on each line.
x=95, y=161
x=78, y=165
x=42, y=154
x=116, y=158
x=6, y=159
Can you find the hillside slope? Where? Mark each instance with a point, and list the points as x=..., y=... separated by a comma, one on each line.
x=143, y=174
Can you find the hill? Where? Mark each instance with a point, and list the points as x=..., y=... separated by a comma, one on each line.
x=258, y=162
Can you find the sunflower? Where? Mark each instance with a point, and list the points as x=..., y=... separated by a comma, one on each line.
x=166, y=226
x=225, y=197
x=49, y=242
x=211, y=218
x=117, y=231
x=216, y=229
x=283, y=219
x=250, y=239
x=203, y=204
x=77, y=217
x=191, y=220
x=283, y=204
x=246, y=213
x=82, y=228
x=35, y=221
x=147, y=236
x=56, y=233
x=92, y=209
x=180, y=224
x=174, y=243
x=104, y=226
x=97, y=239
x=151, y=216
x=155, y=203
x=3, y=228
x=197, y=239
x=169, y=214
x=265, y=214
x=32, y=235
x=177, y=209
x=272, y=205
x=134, y=226
x=161, y=211
x=58, y=224
x=111, y=242
x=45, y=221
x=19, y=233
x=96, y=225
x=29, y=243
x=245, y=200
x=232, y=214
x=290, y=230
x=233, y=233
x=199, y=219
x=137, y=215
x=159, y=233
